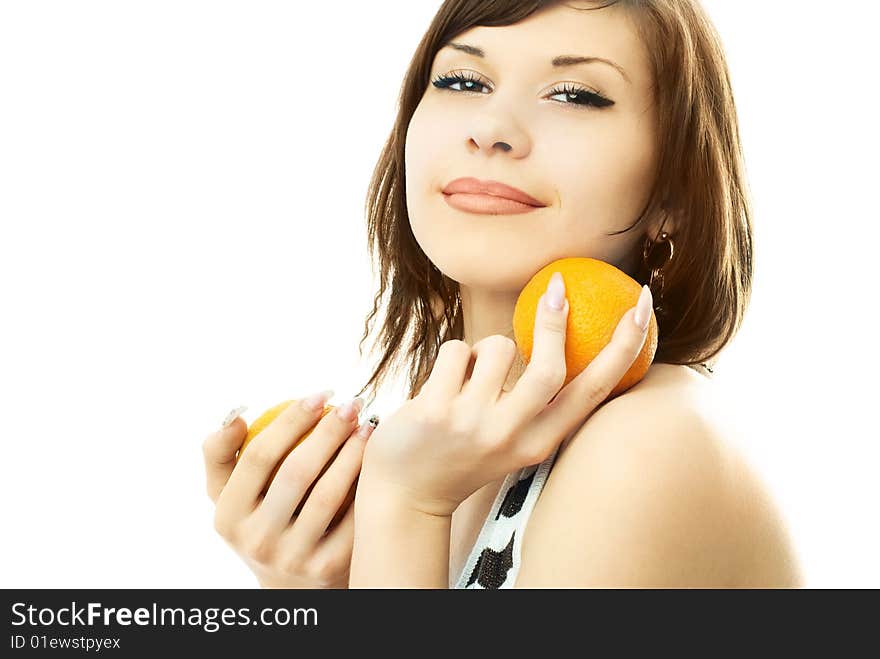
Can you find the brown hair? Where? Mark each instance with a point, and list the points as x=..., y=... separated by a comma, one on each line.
x=700, y=174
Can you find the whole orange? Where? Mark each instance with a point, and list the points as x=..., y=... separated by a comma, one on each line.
x=598, y=295
x=264, y=420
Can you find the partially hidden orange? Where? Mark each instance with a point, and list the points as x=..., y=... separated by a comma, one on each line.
x=598, y=295
x=264, y=420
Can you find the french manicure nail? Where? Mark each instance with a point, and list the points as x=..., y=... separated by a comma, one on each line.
x=555, y=295
x=233, y=414
x=642, y=314
x=316, y=401
x=350, y=410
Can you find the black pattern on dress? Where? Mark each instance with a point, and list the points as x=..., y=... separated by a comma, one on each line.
x=515, y=497
x=492, y=566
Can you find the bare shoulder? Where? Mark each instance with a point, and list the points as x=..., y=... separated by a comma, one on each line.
x=669, y=394
x=650, y=492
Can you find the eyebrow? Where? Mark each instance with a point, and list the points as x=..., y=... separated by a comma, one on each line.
x=559, y=61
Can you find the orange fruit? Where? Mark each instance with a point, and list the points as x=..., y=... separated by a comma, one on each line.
x=598, y=295
x=264, y=420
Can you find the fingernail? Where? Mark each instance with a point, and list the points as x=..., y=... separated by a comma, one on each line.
x=316, y=401
x=350, y=410
x=555, y=295
x=643, y=308
x=233, y=414
x=367, y=429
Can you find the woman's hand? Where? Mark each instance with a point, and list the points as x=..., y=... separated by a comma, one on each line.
x=459, y=434
x=282, y=550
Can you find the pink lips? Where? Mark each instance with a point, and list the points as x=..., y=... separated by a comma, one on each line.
x=488, y=197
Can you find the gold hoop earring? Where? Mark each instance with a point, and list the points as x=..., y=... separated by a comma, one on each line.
x=655, y=283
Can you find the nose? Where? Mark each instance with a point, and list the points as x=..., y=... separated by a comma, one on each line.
x=489, y=132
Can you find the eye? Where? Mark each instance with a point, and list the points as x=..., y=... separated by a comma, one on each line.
x=582, y=96
x=574, y=94
x=467, y=79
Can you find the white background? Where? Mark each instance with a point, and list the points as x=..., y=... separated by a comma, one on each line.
x=181, y=196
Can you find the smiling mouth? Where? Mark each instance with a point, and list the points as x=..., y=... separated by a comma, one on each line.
x=486, y=204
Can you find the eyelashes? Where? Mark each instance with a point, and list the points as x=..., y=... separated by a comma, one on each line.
x=577, y=95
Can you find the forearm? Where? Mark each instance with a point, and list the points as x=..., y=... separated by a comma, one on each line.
x=396, y=546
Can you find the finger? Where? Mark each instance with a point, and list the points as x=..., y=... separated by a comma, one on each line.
x=448, y=373
x=338, y=544
x=494, y=356
x=546, y=369
x=593, y=385
x=330, y=491
x=304, y=465
x=219, y=452
x=260, y=457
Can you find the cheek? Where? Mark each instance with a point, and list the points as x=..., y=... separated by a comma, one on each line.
x=423, y=158
x=413, y=153
x=421, y=176
x=428, y=141
x=603, y=174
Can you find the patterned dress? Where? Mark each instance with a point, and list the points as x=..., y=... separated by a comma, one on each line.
x=495, y=558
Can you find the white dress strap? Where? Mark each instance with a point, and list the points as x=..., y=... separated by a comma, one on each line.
x=495, y=558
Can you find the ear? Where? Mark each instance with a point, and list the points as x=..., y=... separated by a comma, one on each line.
x=668, y=220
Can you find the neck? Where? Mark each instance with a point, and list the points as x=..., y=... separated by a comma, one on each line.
x=485, y=313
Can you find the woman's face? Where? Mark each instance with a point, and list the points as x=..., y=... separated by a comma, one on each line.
x=591, y=166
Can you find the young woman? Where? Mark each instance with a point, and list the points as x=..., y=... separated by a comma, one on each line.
x=615, y=122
